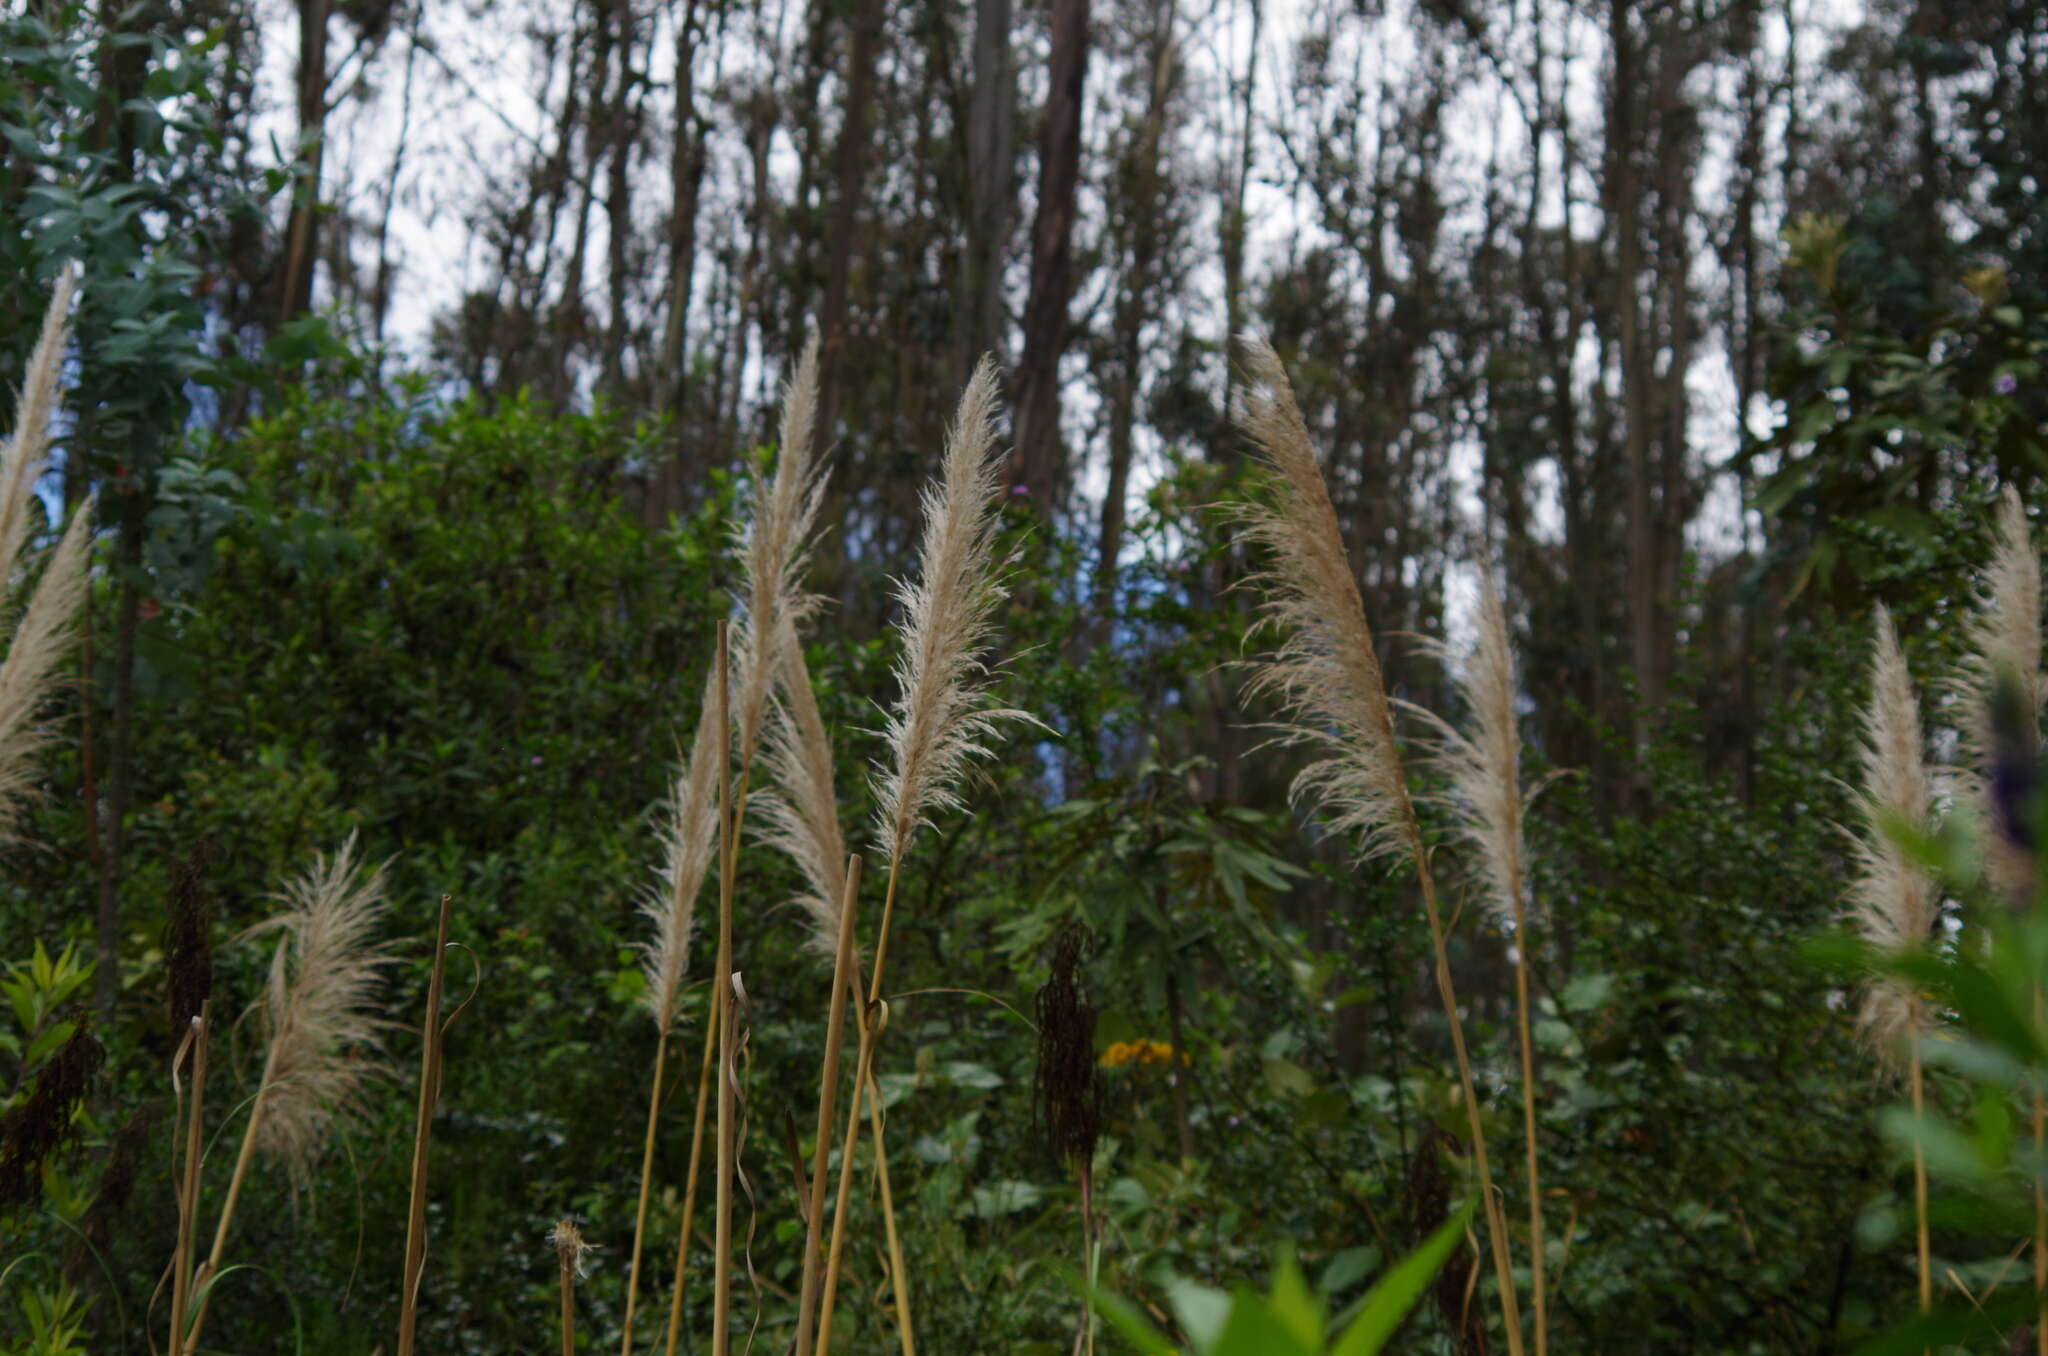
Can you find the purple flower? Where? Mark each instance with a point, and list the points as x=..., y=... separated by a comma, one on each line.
x=536, y=760
x=2006, y=384
x=1020, y=489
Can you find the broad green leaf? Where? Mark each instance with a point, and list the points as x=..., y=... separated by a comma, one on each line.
x=1389, y=1301
x=1253, y=1329
x=1200, y=1310
x=1291, y=1304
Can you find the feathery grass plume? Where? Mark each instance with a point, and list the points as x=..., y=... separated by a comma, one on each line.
x=317, y=1011
x=941, y=720
x=1891, y=901
x=29, y=673
x=1483, y=770
x=802, y=811
x=773, y=553
x=21, y=459
x=2004, y=630
x=1327, y=679
x=2002, y=636
x=319, y=1033
x=774, y=549
x=941, y=717
x=42, y=636
x=1326, y=670
x=688, y=835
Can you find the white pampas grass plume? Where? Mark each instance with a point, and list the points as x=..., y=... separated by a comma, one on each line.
x=774, y=550
x=1325, y=674
x=1892, y=902
x=317, y=1011
x=42, y=636
x=29, y=673
x=941, y=718
x=2002, y=636
x=2004, y=630
x=22, y=458
x=1327, y=681
x=802, y=810
x=689, y=833
x=1483, y=767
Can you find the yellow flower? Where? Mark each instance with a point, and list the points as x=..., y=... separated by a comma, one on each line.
x=1121, y=1053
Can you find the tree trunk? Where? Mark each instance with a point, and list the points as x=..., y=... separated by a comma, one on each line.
x=1040, y=459
x=1134, y=305
x=302, y=226
x=991, y=175
x=1624, y=218
x=851, y=170
x=624, y=119
x=686, y=177
x=120, y=780
x=1227, y=443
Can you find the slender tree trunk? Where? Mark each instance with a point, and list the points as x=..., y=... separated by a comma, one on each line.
x=1040, y=459
x=1178, y=1067
x=302, y=226
x=1624, y=217
x=686, y=175
x=851, y=170
x=1134, y=306
x=624, y=119
x=570, y=328
x=380, y=297
x=991, y=175
x=120, y=779
x=1233, y=233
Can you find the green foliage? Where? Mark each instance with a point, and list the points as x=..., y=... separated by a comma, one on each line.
x=443, y=625
x=1289, y=1320
x=1888, y=426
x=55, y=1323
x=140, y=196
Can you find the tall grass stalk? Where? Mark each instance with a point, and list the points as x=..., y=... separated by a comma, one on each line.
x=829, y=1284
x=1892, y=901
x=1326, y=676
x=671, y=906
x=422, y=1138
x=721, y=1260
x=1483, y=769
x=714, y=1020
x=828, y=1093
x=195, y=1044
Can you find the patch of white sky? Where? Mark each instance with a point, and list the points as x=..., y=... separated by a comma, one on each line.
x=454, y=109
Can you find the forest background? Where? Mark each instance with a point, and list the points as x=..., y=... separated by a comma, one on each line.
x=1711, y=322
